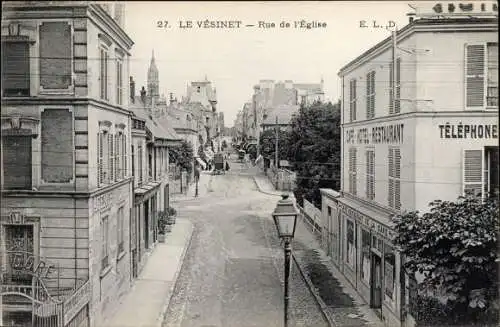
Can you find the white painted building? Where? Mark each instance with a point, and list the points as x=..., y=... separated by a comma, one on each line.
x=426, y=130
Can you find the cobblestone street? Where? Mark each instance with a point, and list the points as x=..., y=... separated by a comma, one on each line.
x=233, y=271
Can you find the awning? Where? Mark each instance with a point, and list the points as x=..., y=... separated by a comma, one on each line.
x=201, y=162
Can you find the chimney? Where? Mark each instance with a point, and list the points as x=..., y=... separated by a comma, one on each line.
x=143, y=95
x=132, y=90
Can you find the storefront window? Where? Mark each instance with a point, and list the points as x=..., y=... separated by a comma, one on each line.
x=389, y=271
x=365, y=256
x=351, y=248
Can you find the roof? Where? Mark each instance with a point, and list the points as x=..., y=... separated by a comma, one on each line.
x=308, y=86
x=284, y=113
x=411, y=28
x=162, y=130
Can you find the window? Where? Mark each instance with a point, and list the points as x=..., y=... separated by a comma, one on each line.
x=395, y=178
x=139, y=163
x=365, y=256
x=103, y=73
x=17, y=164
x=15, y=69
x=55, y=55
x=133, y=161
x=370, y=95
x=57, y=145
x=351, y=244
x=120, y=223
x=104, y=242
x=352, y=100
x=389, y=271
x=395, y=87
x=352, y=171
x=481, y=75
x=124, y=155
x=103, y=159
x=119, y=81
x=370, y=174
x=480, y=172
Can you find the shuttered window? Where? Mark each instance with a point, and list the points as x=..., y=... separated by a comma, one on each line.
x=370, y=174
x=119, y=81
x=117, y=155
x=101, y=171
x=370, y=95
x=475, y=75
x=15, y=69
x=394, y=198
x=473, y=172
x=103, y=72
x=124, y=156
x=352, y=171
x=352, y=100
x=397, y=100
x=111, y=158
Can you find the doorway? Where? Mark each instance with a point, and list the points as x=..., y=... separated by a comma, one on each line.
x=376, y=284
x=146, y=224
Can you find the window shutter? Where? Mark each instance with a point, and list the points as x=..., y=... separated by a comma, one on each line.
x=397, y=181
x=397, y=100
x=391, y=88
x=99, y=159
x=117, y=156
x=391, y=180
x=15, y=68
x=373, y=95
x=124, y=155
x=368, y=94
x=473, y=172
x=110, y=157
x=475, y=75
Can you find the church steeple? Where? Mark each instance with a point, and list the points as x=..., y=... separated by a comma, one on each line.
x=153, y=78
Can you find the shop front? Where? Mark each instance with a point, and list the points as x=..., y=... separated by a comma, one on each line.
x=360, y=245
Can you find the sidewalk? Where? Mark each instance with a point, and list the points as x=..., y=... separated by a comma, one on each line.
x=147, y=300
x=265, y=186
x=203, y=189
x=339, y=301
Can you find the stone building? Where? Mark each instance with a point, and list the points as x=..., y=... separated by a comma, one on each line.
x=66, y=182
x=419, y=123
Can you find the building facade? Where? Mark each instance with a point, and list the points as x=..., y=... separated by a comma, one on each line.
x=66, y=188
x=419, y=123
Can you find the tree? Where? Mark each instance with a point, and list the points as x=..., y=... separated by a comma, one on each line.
x=267, y=144
x=314, y=150
x=183, y=155
x=454, y=247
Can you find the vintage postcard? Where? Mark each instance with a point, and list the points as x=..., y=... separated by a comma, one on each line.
x=249, y=164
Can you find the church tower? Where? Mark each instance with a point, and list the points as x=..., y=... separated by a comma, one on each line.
x=153, y=79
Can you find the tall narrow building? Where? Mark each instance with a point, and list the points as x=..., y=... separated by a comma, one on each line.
x=153, y=79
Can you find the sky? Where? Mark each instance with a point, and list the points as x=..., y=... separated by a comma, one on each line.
x=235, y=59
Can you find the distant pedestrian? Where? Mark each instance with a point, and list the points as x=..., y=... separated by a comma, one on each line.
x=227, y=165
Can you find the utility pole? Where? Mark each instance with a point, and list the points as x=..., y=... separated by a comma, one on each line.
x=277, y=140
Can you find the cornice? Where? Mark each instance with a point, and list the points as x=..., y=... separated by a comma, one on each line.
x=408, y=31
x=102, y=18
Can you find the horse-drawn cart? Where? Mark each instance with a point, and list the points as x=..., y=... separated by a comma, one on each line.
x=219, y=164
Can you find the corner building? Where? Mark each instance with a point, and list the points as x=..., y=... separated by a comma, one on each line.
x=419, y=123
x=66, y=181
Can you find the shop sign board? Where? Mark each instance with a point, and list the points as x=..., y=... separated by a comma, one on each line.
x=366, y=221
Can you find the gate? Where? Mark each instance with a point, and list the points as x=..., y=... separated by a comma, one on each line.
x=31, y=294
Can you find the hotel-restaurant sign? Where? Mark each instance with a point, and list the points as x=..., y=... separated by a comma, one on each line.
x=382, y=134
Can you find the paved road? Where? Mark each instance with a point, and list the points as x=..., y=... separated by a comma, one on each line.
x=232, y=273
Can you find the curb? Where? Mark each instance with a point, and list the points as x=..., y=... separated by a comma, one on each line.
x=161, y=318
x=319, y=300
x=260, y=189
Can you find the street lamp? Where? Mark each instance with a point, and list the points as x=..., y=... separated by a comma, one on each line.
x=285, y=218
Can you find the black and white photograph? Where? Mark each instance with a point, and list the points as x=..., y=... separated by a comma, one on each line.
x=249, y=164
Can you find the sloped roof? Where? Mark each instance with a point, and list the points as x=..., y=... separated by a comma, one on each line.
x=308, y=86
x=283, y=112
x=162, y=131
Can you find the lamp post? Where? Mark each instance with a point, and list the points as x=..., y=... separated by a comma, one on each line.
x=285, y=218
